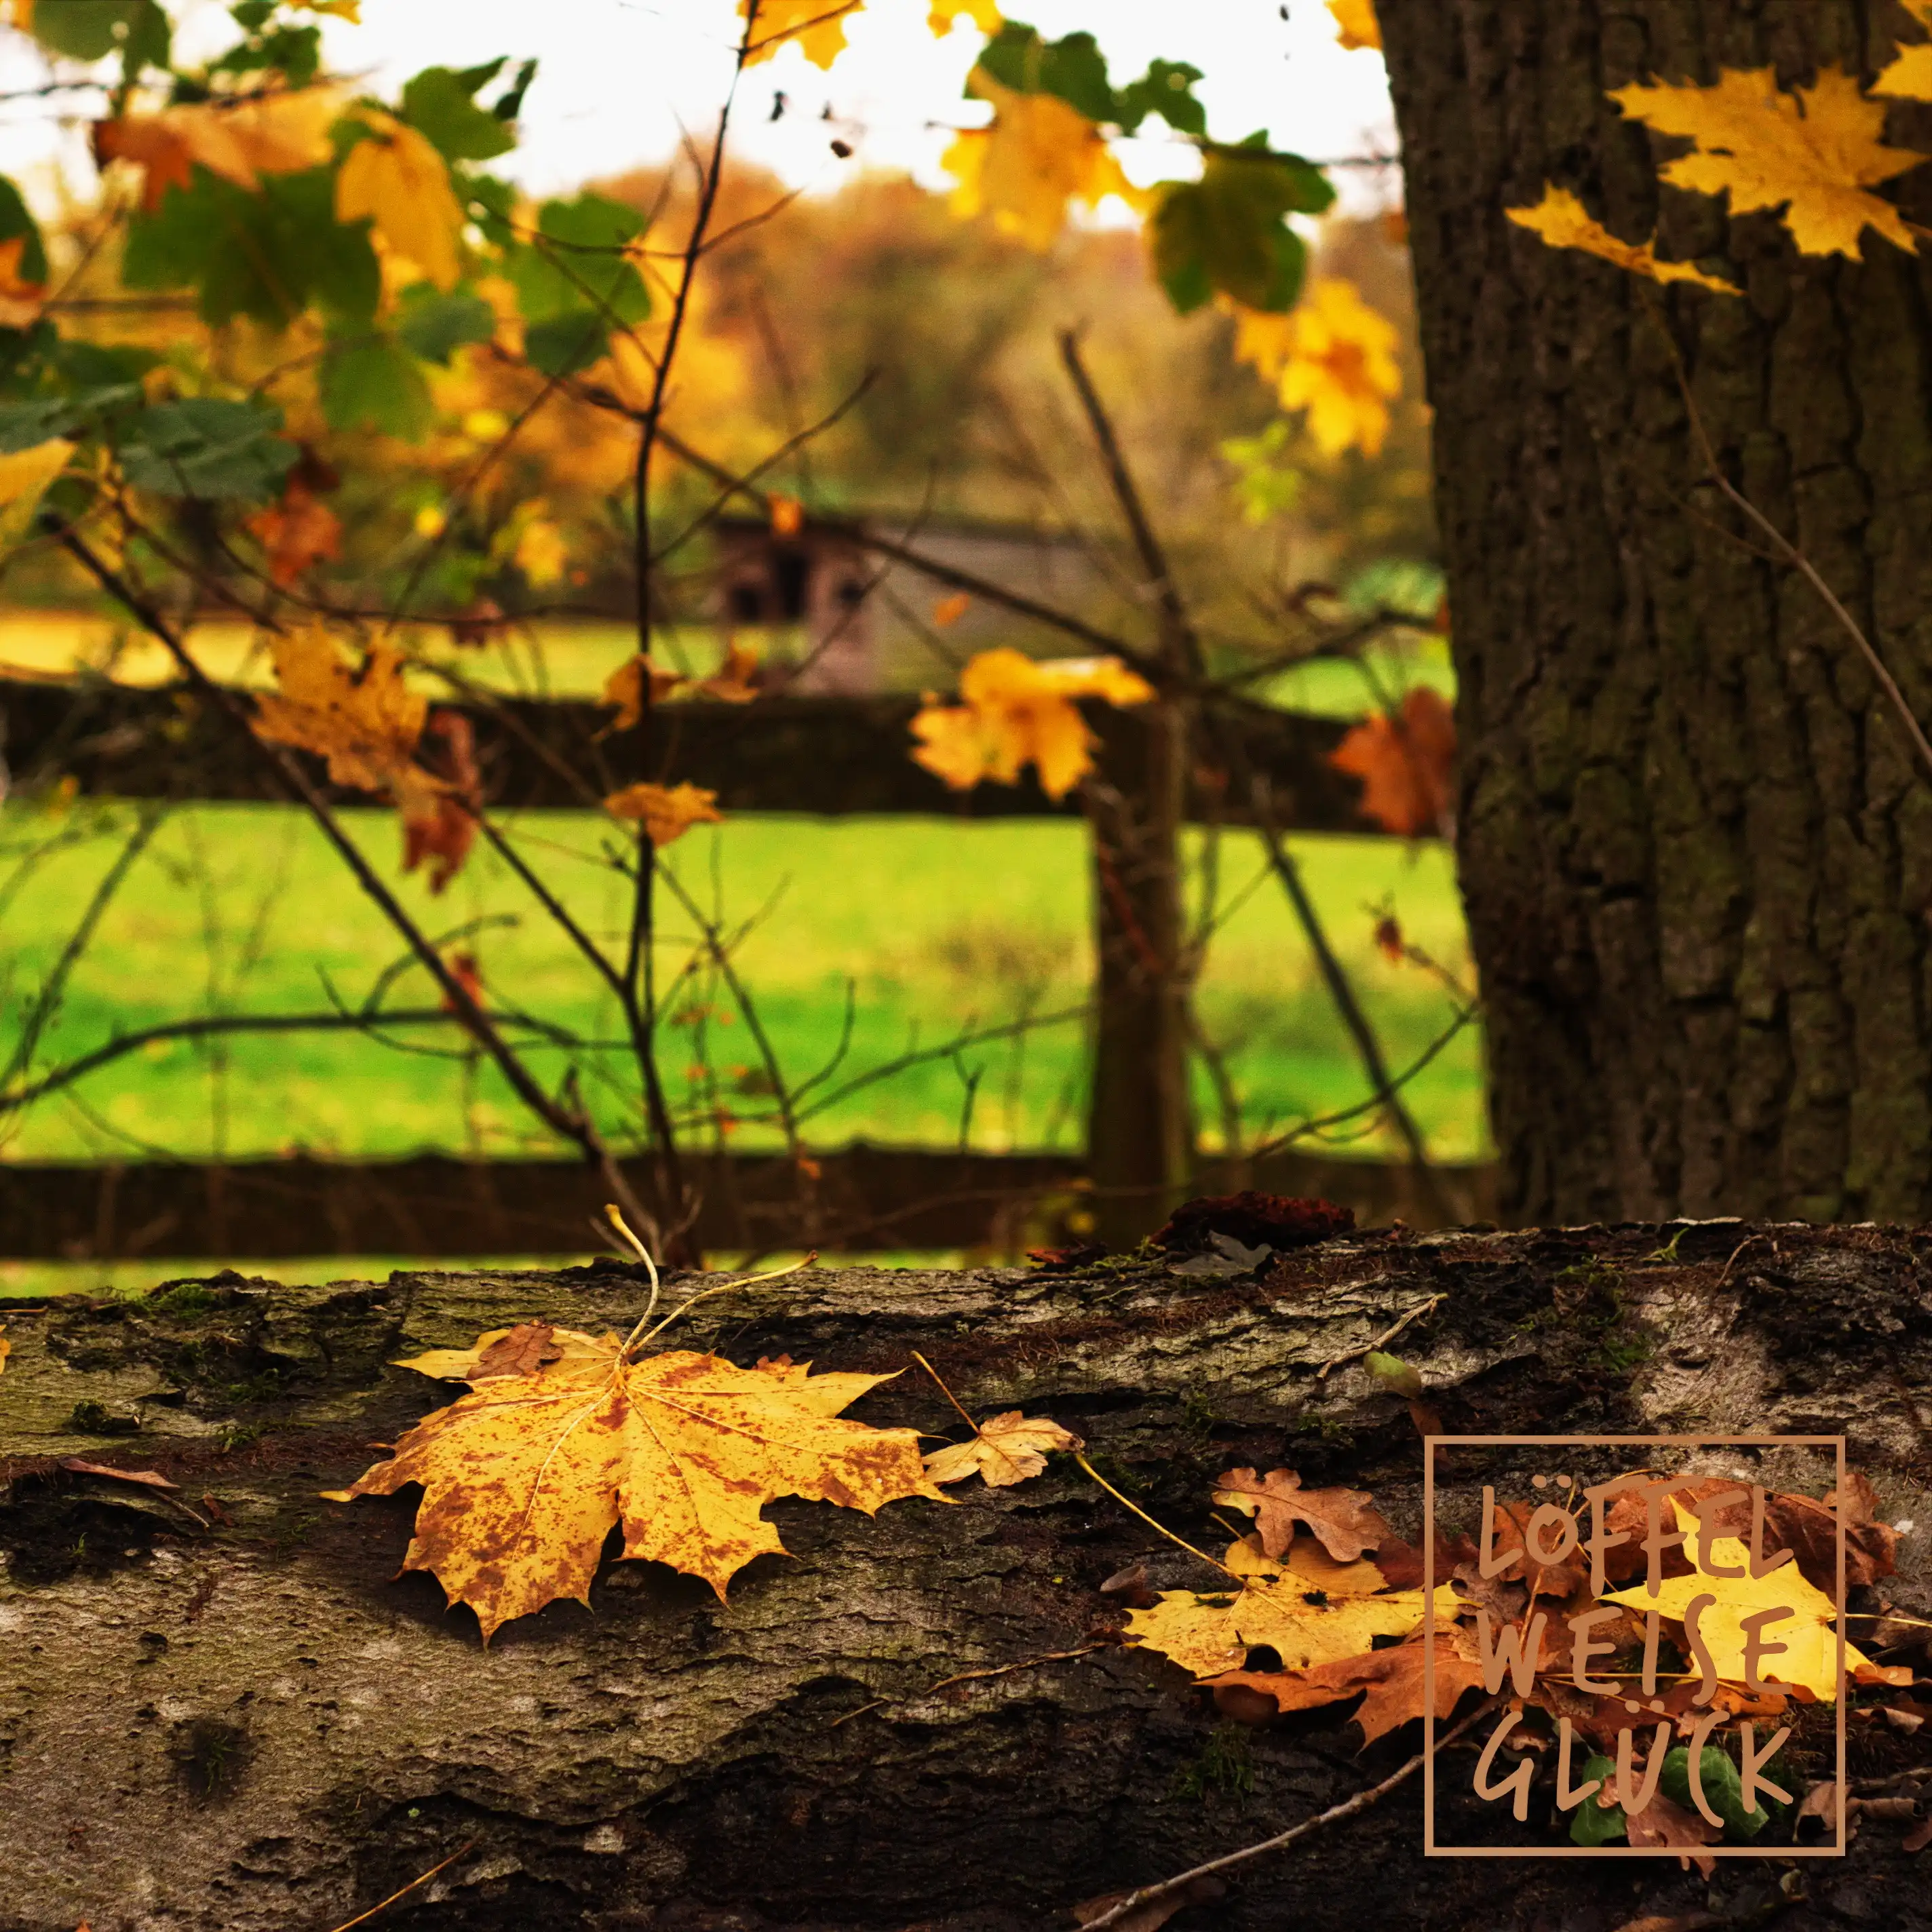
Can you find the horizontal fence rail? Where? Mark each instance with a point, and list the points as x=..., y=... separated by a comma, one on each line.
x=832, y=756
x=864, y=1199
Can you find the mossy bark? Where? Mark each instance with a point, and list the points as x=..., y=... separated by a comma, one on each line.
x=223, y=1709
x=1696, y=852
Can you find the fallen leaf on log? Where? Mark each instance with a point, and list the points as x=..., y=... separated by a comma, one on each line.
x=1310, y=1611
x=524, y=1477
x=1343, y=1520
x=1662, y=1823
x=1006, y=1450
x=1810, y=1529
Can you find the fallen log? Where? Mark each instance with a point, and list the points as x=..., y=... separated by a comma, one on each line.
x=222, y=1709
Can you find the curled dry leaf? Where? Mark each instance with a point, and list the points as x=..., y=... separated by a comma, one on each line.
x=149, y=1478
x=1310, y=1610
x=624, y=691
x=1345, y=1521
x=1663, y=1822
x=272, y=134
x=524, y=1477
x=1008, y=1449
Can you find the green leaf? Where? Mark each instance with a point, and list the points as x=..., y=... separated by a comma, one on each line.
x=1395, y=1374
x=1167, y=89
x=90, y=30
x=207, y=448
x=440, y=102
x=269, y=256
x=435, y=325
x=1226, y=231
x=378, y=384
x=1074, y=68
x=577, y=265
x=15, y=220
x=1596, y=1824
x=560, y=345
x=23, y=425
x=1723, y=1790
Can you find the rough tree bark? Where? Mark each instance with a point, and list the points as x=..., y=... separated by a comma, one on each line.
x=1696, y=859
x=223, y=1711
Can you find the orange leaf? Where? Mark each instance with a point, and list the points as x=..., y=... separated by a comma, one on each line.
x=367, y=724
x=297, y=532
x=667, y=812
x=948, y=611
x=277, y=133
x=1344, y=1521
x=20, y=300
x=1406, y=770
x=468, y=974
x=624, y=691
x=1392, y=1678
x=439, y=824
x=787, y=516
x=732, y=682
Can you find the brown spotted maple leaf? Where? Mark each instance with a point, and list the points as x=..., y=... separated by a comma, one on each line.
x=1344, y=1521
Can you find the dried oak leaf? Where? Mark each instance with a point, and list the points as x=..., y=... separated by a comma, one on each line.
x=1007, y=1449
x=1310, y=1610
x=1345, y=1521
x=1393, y=1679
x=1810, y=1529
x=1662, y=1822
x=1544, y=1579
x=524, y=1477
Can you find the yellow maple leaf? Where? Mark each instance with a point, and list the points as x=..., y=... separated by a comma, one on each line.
x=272, y=133
x=1040, y=154
x=1356, y=24
x=367, y=724
x=1310, y=1610
x=733, y=682
x=396, y=178
x=1909, y=75
x=667, y=812
x=1340, y=366
x=1014, y=712
x=1810, y=1660
x=1005, y=1449
x=24, y=477
x=525, y=1476
x=1813, y=153
x=1561, y=220
x=944, y=16
x=817, y=26
x=624, y=691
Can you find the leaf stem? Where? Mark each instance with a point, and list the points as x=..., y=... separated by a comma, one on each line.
x=1211, y=1561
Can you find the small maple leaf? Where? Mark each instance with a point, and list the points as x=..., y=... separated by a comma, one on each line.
x=21, y=301
x=733, y=682
x=817, y=27
x=1310, y=1610
x=367, y=724
x=1340, y=366
x=1040, y=153
x=1563, y=222
x=667, y=812
x=1005, y=1449
x=395, y=178
x=1355, y=24
x=948, y=611
x=1016, y=711
x=1406, y=770
x=298, y=532
x=1813, y=153
x=272, y=133
x=468, y=974
x=1344, y=1521
x=439, y=822
x=525, y=1476
x=1393, y=1679
x=624, y=691
x=1809, y=1661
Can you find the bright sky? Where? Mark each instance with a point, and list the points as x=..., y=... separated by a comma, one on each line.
x=617, y=78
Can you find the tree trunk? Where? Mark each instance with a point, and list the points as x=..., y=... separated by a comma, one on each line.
x=1696, y=853
x=223, y=1710
x=1140, y=1127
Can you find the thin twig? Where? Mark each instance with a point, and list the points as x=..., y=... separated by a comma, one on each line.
x=1382, y=1340
x=1152, y=1894
x=362, y=1918
x=1212, y=1562
x=1007, y=1669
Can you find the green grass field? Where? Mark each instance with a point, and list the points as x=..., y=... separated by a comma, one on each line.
x=930, y=928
